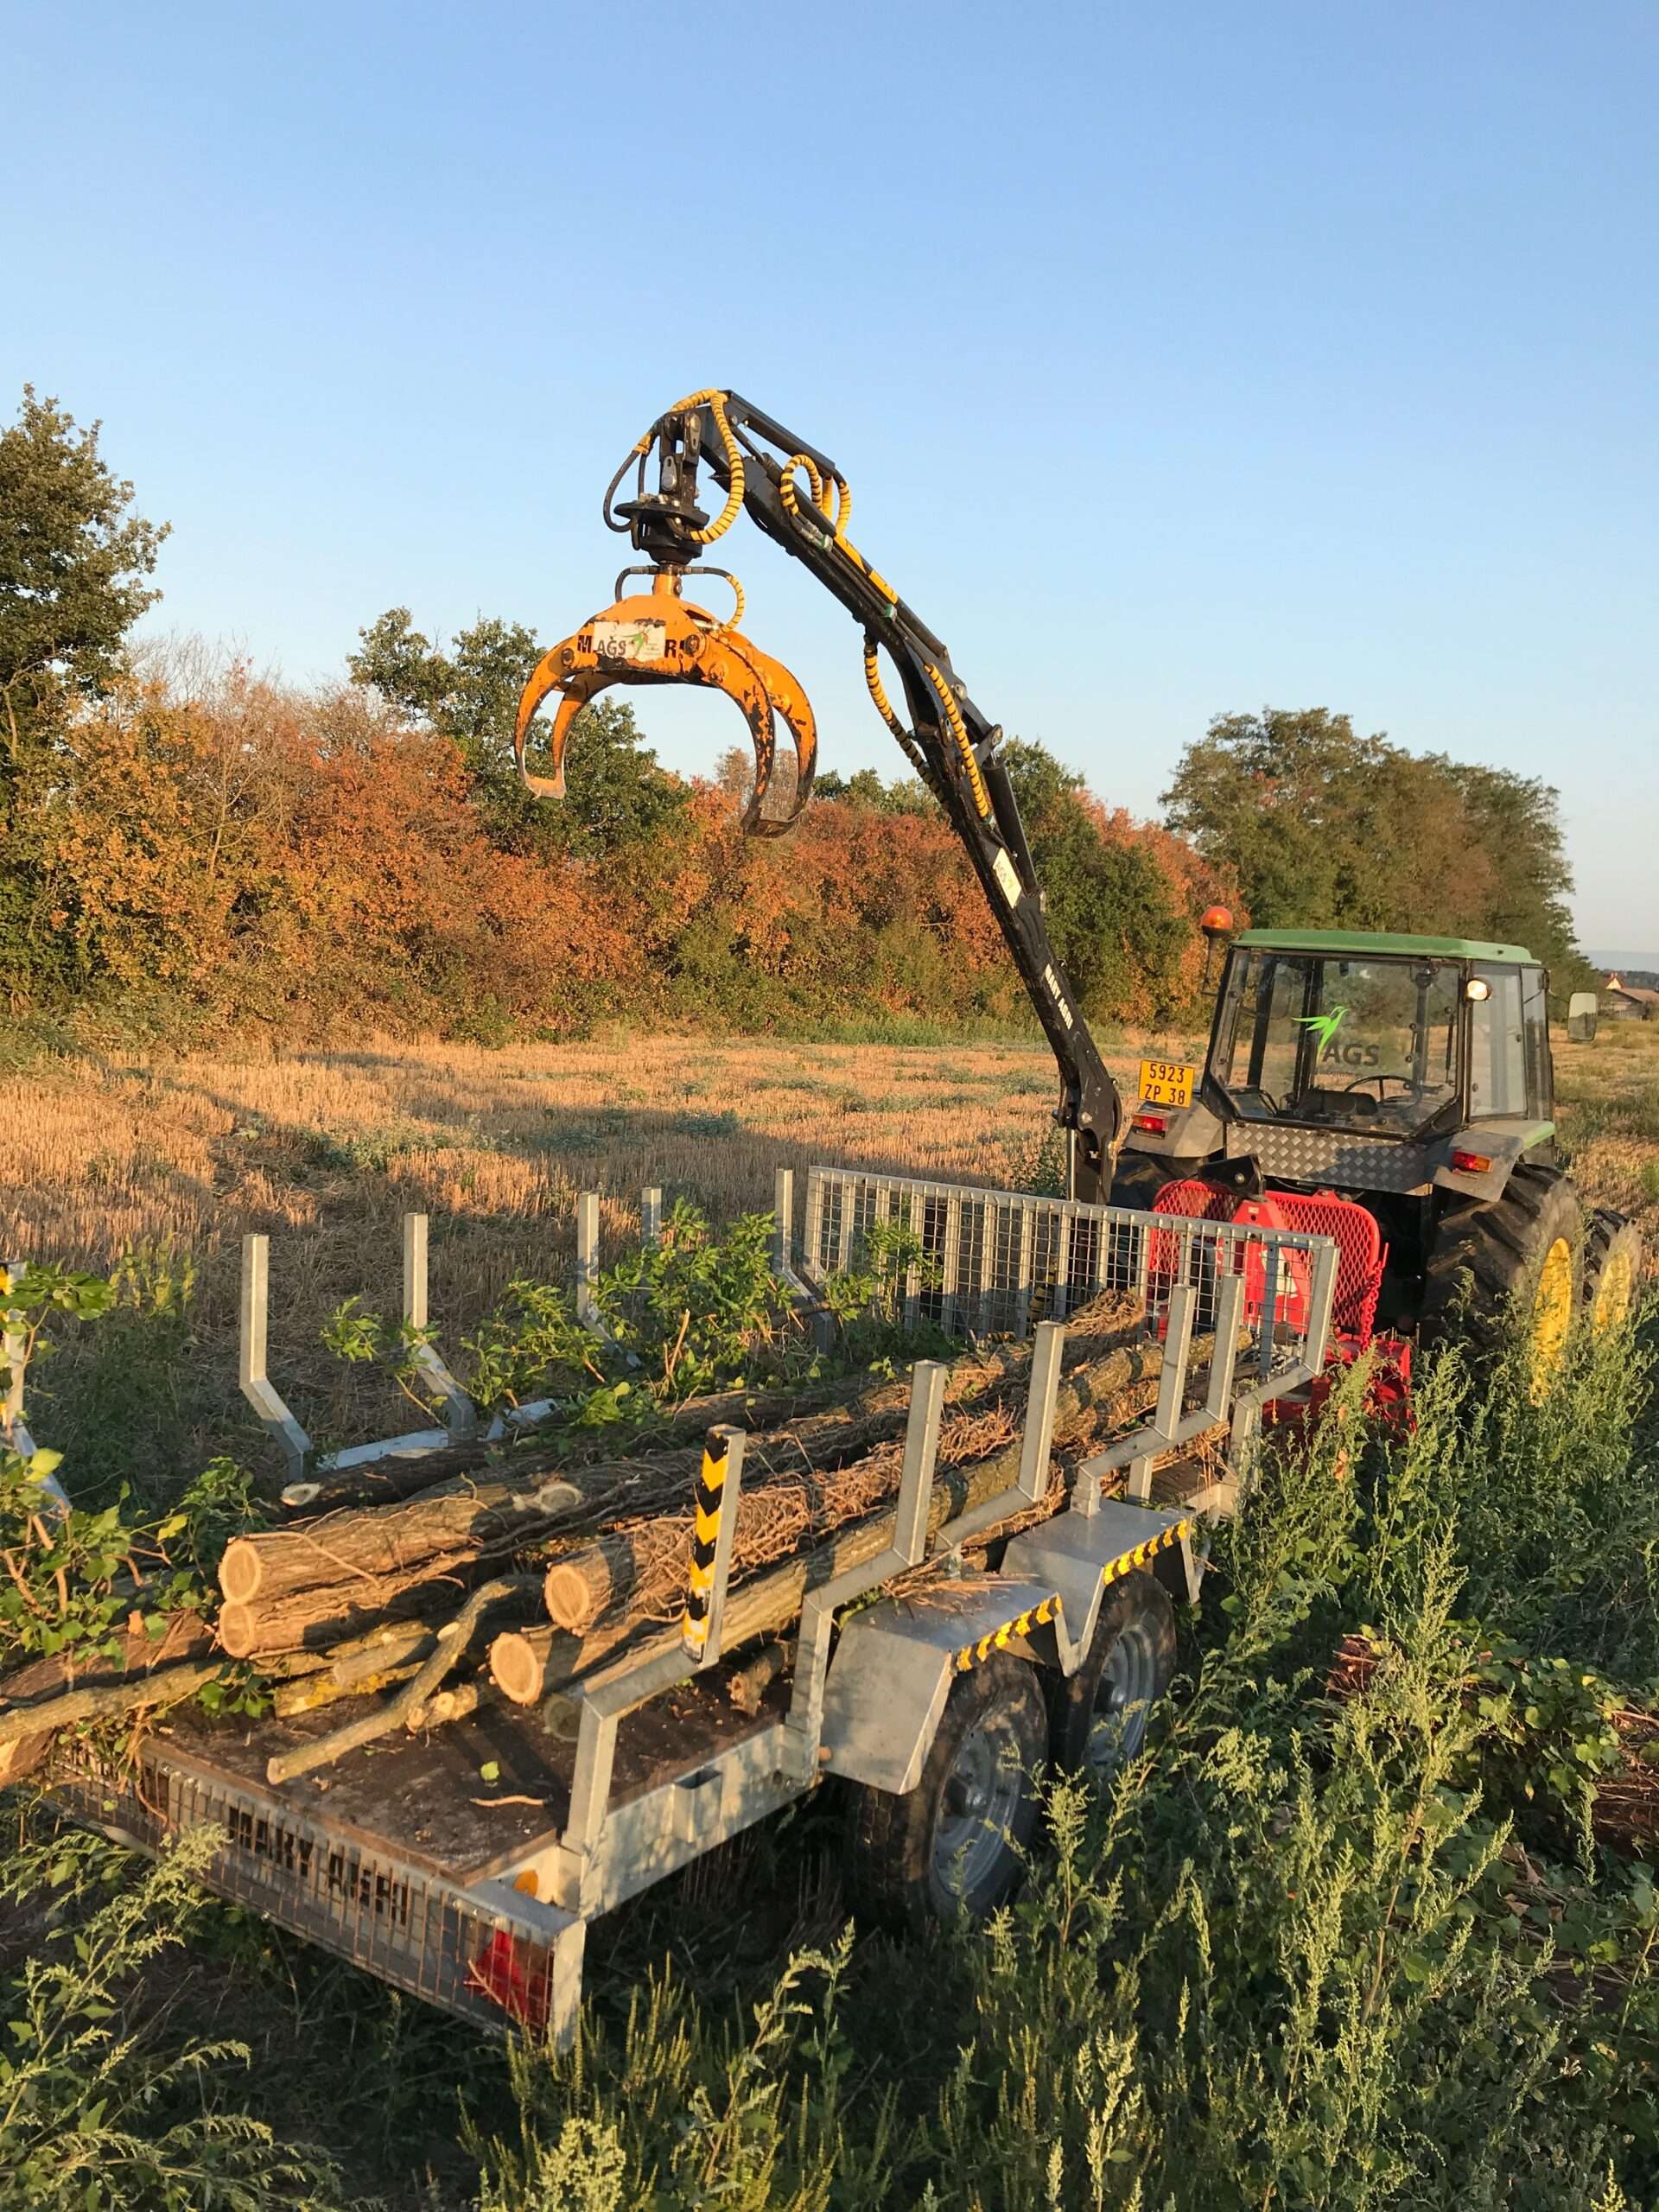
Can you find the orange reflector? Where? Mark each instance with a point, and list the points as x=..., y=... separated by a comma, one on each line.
x=1153, y=1124
x=1472, y=1163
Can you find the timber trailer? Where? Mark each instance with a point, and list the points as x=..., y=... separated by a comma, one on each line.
x=1371, y=1134
x=932, y=1705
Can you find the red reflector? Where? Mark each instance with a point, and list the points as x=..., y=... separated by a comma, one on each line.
x=516, y=1978
x=1153, y=1124
x=1472, y=1163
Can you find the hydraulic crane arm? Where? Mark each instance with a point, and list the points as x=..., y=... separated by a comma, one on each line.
x=799, y=498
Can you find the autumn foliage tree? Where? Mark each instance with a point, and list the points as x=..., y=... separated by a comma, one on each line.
x=74, y=562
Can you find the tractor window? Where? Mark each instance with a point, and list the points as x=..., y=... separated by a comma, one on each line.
x=1274, y=993
x=1497, y=1054
x=1363, y=1044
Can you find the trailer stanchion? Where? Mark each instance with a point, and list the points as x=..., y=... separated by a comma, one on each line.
x=587, y=1261
x=1165, y=1432
x=587, y=1272
x=1223, y=1359
x=258, y=1388
x=13, y=1355
x=460, y=1415
x=719, y=1486
x=909, y=1543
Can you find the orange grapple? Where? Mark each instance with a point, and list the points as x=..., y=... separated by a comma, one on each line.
x=658, y=636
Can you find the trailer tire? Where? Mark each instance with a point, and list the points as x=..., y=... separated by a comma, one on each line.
x=1099, y=1716
x=954, y=1843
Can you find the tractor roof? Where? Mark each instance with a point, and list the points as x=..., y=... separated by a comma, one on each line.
x=1351, y=942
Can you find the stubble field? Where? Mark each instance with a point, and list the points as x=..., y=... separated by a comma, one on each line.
x=172, y=1160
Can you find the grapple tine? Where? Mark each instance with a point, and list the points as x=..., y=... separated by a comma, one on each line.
x=790, y=703
x=657, y=638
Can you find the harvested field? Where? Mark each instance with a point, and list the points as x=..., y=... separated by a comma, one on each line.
x=324, y=1150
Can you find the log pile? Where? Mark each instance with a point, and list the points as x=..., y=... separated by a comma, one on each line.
x=564, y=1561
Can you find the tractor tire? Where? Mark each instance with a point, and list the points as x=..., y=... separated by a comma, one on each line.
x=953, y=1844
x=1526, y=1246
x=1612, y=1269
x=1098, y=1718
x=1137, y=1180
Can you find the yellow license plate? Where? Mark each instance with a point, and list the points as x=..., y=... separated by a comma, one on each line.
x=1166, y=1083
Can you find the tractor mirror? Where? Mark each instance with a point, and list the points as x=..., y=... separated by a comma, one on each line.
x=1581, y=1017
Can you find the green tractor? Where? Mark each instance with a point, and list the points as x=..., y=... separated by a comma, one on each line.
x=1396, y=1093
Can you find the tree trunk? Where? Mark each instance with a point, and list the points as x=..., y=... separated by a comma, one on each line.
x=384, y=1481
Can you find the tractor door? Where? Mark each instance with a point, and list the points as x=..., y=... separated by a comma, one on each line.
x=1509, y=1067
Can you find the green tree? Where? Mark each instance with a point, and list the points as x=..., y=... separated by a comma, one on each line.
x=618, y=796
x=865, y=787
x=73, y=565
x=1111, y=912
x=1322, y=828
x=1517, y=821
x=74, y=560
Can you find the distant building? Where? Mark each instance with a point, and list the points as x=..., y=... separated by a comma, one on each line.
x=1629, y=1002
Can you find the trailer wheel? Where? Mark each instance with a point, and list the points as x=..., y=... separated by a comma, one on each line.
x=953, y=1843
x=1099, y=1715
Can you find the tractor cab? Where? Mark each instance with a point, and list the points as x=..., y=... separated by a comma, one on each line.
x=1385, y=1037
x=1369, y=1064
x=1395, y=1093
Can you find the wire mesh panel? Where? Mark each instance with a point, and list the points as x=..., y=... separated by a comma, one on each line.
x=990, y=1263
x=384, y=1915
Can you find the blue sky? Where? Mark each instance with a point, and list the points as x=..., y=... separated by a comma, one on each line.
x=1182, y=360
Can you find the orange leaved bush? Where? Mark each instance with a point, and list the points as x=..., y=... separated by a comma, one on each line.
x=229, y=851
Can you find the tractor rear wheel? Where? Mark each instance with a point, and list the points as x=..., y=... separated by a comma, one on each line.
x=1524, y=1249
x=1612, y=1269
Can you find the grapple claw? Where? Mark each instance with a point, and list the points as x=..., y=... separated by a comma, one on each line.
x=658, y=637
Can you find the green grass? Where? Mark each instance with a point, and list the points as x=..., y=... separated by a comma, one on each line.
x=913, y=1029
x=1356, y=1952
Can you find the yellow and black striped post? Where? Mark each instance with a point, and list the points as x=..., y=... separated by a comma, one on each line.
x=716, y=1517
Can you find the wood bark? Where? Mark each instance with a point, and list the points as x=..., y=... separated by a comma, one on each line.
x=303, y=1586
x=527, y=1663
x=291, y=1589
x=385, y=1482
x=631, y=1574
x=96, y=1700
x=415, y=1694
x=32, y=1700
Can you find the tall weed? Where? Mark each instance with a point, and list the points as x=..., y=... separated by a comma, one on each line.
x=103, y=2107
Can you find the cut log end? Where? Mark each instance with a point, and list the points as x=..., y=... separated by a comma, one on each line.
x=579, y=1589
x=239, y=1573
x=518, y=1664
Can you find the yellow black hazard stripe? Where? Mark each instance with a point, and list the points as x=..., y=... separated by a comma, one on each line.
x=709, y=1498
x=1115, y=1569
x=999, y=1638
